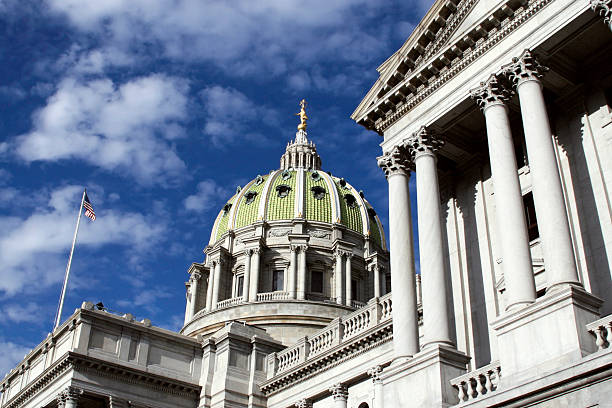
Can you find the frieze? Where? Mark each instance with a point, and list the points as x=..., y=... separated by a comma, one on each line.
x=279, y=232
x=320, y=234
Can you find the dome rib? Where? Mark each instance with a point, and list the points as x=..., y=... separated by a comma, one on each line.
x=299, y=194
x=263, y=203
x=237, y=202
x=331, y=187
x=365, y=219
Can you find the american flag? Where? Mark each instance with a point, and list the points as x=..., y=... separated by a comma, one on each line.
x=89, y=212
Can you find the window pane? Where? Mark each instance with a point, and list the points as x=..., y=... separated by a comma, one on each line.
x=316, y=281
x=277, y=280
x=240, y=286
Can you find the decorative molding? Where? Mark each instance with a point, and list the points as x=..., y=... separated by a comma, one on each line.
x=495, y=35
x=320, y=234
x=279, y=232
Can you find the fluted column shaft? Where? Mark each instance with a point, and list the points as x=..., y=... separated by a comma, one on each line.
x=396, y=166
x=512, y=228
x=376, y=281
x=209, y=289
x=247, y=275
x=349, y=280
x=216, y=282
x=301, y=290
x=548, y=197
x=339, y=279
x=255, y=265
x=293, y=267
x=436, y=327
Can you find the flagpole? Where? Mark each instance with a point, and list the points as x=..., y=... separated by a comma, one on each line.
x=58, y=316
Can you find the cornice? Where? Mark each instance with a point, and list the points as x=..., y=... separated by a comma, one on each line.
x=445, y=64
x=376, y=336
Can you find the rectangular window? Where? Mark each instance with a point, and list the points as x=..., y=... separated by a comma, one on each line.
x=278, y=280
x=354, y=290
x=530, y=217
x=388, y=282
x=239, y=285
x=316, y=281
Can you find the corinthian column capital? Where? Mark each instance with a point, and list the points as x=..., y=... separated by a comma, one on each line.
x=303, y=403
x=423, y=141
x=339, y=392
x=375, y=373
x=524, y=68
x=396, y=161
x=604, y=9
x=490, y=92
x=69, y=396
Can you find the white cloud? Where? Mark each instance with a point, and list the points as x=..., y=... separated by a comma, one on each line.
x=19, y=313
x=206, y=198
x=12, y=354
x=33, y=249
x=147, y=299
x=125, y=128
x=242, y=36
x=230, y=114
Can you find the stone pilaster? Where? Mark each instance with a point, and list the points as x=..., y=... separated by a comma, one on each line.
x=525, y=72
x=339, y=277
x=396, y=165
x=348, y=278
x=254, y=279
x=293, y=268
x=194, y=281
x=218, y=263
x=491, y=96
x=375, y=374
x=301, y=284
x=246, y=286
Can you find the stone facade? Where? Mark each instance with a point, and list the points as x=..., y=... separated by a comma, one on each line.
x=502, y=111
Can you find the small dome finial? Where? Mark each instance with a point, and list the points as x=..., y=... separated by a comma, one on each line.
x=302, y=115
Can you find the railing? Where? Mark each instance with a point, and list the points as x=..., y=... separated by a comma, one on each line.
x=337, y=332
x=477, y=383
x=230, y=302
x=262, y=297
x=602, y=330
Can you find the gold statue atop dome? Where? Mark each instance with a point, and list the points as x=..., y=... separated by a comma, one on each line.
x=302, y=115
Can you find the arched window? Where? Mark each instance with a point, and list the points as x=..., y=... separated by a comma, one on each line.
x=363, y=405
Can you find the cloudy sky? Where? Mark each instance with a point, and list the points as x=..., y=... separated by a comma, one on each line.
x=161, y=108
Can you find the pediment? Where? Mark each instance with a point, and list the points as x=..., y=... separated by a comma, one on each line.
x=429, y=50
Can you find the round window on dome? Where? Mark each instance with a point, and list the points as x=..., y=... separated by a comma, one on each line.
x=315, y=176
x=286, y=175
x=342, y=182
x=371, y=212
x=250, y=196
x=226, y=208
x=259, y=180
x=318, y=192
x=350, y=200
x=283, y=190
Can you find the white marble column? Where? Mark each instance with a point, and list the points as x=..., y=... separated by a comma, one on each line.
x=340, y=394
x=301, y=286
x=376, y=270
x=254, y=280
x=293, y=267
x=339, y=278
x=195, y=280
x=348, y=272
x=188, y=296
x=216, y=282
x=436, y=325
x=246, y=285
x=512, y=228
x=375, y=373
x=396, y=165
x=548, y=197
x=68, y=397
x=209, y=289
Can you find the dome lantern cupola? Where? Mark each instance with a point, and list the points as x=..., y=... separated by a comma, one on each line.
x=289, y=252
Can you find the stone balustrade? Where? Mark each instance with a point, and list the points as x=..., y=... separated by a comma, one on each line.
x=229, y=302
x=602, y=331
x=338, y=331
x=262, y=297
x=477, y=383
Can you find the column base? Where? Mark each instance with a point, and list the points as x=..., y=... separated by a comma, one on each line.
x=547, y=333
x=424, y=379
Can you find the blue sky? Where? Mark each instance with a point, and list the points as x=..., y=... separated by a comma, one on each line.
x=161, y=108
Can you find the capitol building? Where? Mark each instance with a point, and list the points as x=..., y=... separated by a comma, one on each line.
x=502, y=112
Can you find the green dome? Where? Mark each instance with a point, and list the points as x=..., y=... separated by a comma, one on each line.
x=299, y=190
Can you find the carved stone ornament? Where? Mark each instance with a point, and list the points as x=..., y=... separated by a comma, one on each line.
x=423, y=141
x=375, y=373
x=604, y=9
x=320, y=234
x=339, y=392
x=195, y=276
x=524, y=68
x=491, y=92
x=303, y=403
x=71, y=394
x=396, y=161
x=279, y=232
